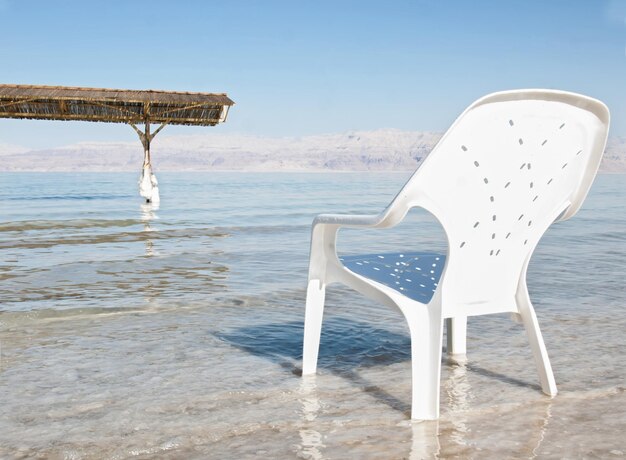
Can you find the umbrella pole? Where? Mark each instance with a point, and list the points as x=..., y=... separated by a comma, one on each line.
x=148, y=184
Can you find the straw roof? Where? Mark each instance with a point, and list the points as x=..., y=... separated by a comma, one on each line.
x=112, y=105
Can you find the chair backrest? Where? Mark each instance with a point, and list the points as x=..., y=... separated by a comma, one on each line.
x=511, y=164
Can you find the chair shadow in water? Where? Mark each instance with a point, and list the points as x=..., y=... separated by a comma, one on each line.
x=503, y=378
x=345, y=345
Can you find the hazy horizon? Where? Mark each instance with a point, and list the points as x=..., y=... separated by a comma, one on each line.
x=376, y=150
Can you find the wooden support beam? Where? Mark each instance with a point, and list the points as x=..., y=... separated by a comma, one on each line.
x=111, y=118
x=158, y=129
x=187, y=107
x=115, y=107
x=54, y=116
x=19, y=101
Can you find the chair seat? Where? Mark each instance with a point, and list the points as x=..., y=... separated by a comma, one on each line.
x=413, y=274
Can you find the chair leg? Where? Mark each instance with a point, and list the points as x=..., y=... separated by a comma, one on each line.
x=315, y=295
x=456, y=334
x=538, y=347
x=426, y=329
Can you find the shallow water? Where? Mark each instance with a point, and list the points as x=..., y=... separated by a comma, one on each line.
x=133, y=332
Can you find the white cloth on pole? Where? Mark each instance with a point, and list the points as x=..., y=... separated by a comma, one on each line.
x=148, y=185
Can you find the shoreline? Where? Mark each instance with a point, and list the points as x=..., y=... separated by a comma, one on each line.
x=245, y=171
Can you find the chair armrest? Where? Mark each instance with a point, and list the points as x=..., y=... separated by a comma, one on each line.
x=349, y=220
x=323, y=261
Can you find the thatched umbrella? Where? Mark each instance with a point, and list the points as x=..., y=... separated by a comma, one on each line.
x=117, y=106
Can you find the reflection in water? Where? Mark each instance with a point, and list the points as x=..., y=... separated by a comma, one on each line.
x=311, y=440
x=459, y=393
x=534, y=418
x=148, y=213
x=425, y=444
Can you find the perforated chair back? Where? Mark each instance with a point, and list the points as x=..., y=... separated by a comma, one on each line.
x=510, y=165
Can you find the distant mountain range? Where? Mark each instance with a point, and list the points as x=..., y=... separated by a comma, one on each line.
x=380, y=150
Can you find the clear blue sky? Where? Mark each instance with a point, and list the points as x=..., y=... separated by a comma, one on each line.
x=305, y=67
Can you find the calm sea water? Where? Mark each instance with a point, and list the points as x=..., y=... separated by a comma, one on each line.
x=129, y=331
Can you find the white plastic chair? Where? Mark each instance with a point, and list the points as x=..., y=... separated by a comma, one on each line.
x=512, y=164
